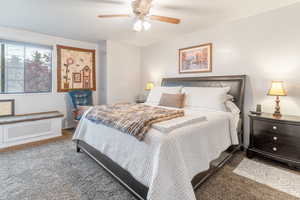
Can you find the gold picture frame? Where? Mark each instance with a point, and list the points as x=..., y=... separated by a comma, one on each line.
x=196, y=59
x=7, y=107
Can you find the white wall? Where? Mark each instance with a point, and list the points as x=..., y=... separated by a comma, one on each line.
x=264, y=47
x=29, y=103
x=122, y=72
x=102, y=80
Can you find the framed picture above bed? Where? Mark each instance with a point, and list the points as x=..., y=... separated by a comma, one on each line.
x=75, y=69
x=196, y=59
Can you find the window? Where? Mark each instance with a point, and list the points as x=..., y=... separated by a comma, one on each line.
x=25, y=68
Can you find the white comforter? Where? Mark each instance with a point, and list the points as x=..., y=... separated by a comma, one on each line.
x=165, y=162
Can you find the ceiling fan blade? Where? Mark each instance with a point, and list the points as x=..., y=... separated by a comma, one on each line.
x=117, y=15
x=117, y=2
x=165, y=19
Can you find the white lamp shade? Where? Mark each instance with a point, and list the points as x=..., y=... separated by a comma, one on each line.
x=138, y=26
x=146, y=25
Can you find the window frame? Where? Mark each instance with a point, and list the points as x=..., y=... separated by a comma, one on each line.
x=3, y=67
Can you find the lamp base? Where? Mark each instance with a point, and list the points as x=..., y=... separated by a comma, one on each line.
x=277, y=113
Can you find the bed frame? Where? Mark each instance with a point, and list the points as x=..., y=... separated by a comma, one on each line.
x=237, y=85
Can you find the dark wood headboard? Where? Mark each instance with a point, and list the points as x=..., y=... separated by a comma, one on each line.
x=235, y=82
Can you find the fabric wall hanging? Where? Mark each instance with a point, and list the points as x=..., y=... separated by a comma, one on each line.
x=75, y=69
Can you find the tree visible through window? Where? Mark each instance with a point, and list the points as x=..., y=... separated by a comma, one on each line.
x=25, y=68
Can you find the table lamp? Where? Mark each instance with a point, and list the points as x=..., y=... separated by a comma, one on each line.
x=277, y=90
x=149, y=86
x=141, y=98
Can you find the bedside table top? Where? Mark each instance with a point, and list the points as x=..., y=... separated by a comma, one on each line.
x=287, y=118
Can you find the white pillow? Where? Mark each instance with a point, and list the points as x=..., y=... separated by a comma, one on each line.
x=231, y=107
x=206, y=97
x=156, y=92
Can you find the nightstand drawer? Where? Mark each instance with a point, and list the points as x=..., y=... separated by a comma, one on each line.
x=281, y=151
x=263, y=139
x=279, y=128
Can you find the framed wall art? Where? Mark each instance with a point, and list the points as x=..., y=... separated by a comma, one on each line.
x=196, y=59
x=75, y=69
x=7, y=107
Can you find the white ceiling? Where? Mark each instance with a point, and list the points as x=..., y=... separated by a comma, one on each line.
x=76, y=19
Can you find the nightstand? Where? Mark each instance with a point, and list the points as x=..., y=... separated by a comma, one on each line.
x=277, y=139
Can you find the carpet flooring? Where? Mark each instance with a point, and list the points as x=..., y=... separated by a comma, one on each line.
x=54, y=171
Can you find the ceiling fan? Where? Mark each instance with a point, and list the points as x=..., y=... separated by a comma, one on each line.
x=141, y=10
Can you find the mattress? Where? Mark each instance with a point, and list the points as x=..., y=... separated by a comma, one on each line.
x=166, y=162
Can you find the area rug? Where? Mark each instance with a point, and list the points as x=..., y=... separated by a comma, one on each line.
x=54, y=171
x=274, y=177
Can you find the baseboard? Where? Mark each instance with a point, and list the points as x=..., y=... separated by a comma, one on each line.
x=29, y=140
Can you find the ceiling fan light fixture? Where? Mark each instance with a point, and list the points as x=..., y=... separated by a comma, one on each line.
x=138, y=26
x=141, y=10
x=141, y=25
x=146, y=25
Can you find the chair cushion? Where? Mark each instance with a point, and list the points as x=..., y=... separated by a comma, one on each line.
x=81, y=98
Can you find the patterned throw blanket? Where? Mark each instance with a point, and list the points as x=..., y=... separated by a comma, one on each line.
x=133, y=119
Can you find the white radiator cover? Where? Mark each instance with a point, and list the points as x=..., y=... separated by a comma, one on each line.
x=24, y=132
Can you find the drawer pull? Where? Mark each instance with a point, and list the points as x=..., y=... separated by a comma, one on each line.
x=275, y=128
x=274, y=149
x=275, y=138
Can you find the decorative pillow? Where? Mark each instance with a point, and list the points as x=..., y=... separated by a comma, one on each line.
x=172, y=100
x=155, y=94
x=206, y=97
x=231, y=107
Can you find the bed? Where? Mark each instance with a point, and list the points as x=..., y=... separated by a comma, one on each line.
x=182, y=168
